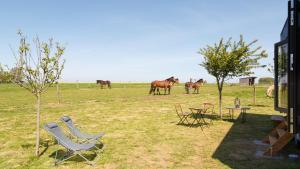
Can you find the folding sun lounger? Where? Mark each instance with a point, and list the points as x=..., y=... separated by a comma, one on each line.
x=76, y=132
x=73, y=148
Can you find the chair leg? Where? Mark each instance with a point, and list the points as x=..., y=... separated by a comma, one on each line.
x=203, y=120
x=68, y=156
x=195, y=119
x=64, y=158
x=88, y=161
x=180, y=120
x=186, y=119
x=103, y=147
x=98, y=149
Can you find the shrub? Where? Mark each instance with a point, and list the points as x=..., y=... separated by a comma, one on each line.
x=266, y=80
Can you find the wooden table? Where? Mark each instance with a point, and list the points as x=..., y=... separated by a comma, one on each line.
x=242, y=109
x=199, y=112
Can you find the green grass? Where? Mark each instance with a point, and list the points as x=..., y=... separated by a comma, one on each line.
x=141, y=129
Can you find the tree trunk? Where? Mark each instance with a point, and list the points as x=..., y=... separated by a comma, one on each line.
x=220, y=82
x=37, y=145
x=220, y=103
x=254, y=95
x=58, y=93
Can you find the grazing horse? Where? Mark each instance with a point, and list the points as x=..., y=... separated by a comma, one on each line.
x=103, y=83
x=195, y=86
x=165, y=84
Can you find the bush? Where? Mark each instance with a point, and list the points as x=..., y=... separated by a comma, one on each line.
x=5, y=75
x=266, y=80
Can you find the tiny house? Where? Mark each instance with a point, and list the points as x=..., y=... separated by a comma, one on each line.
x=287, y=68
x=247, y=81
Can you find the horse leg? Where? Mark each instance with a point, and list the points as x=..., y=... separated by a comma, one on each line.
x=151, y=90
x=169, y=90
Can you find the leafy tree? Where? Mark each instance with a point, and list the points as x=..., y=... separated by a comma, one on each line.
x=1, y=74
x=36, y=71
x=270, y=69
x=225, y=60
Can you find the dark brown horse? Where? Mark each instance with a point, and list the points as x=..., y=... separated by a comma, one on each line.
x=104, y=83
x=165, y=84
x=195, y=86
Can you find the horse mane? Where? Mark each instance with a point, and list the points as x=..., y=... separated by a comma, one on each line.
x=200, y=81
x=170, y=79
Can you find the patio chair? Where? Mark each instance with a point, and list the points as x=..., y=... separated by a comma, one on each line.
x=183, y=116
x=73, y=148
x=78, y=134
x=210, y=108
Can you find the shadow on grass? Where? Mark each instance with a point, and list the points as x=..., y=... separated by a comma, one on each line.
x=27, y=145
x=237, y=149
x=62, y=153
x=44, y=145
x=258, y=105
x=90, y=155
x=195, y=125
x=196, y=120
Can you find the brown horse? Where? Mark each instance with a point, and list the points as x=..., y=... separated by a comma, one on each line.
x=104, y=83
x=195, y=86
x=165, y=84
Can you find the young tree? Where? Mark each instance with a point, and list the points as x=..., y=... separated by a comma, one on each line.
x=230, y=59
x=38, y=70
x=57, y=92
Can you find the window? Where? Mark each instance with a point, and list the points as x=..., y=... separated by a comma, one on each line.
x=281, y=75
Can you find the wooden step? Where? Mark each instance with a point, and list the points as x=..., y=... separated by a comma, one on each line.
x=278, y=144
x=280, y=132
x=282, y=125
x=278, y=138
x=272, y=140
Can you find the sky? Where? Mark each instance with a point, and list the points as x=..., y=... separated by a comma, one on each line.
x=139, y=40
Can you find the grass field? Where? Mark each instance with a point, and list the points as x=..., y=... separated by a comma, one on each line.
x=141, y=129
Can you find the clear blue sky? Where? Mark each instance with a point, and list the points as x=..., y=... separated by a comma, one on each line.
x=139, y=40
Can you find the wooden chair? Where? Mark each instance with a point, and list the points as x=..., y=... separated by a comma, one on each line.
x=210, y=109
x=183, y=116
